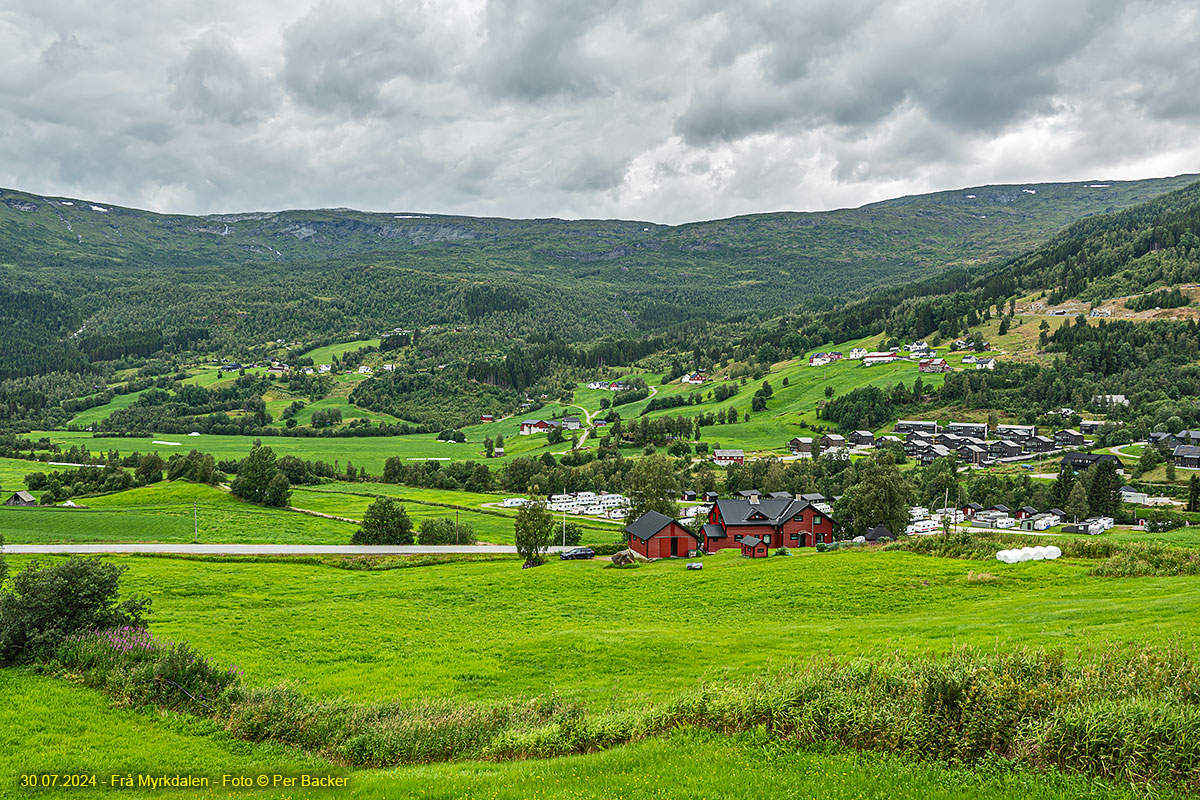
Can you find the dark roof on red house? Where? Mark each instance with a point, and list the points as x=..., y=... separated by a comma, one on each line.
x=713, y=531
x=767, y=511
x=751, y=541
x=649, y=524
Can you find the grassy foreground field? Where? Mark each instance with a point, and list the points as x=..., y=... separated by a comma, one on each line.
x=491, y=630
x=50, y=726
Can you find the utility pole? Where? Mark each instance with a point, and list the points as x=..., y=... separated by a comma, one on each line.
x=195, y=523
x=456, y=527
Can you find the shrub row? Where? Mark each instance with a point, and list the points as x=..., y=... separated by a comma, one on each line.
x=1117, y=559
x=1126, y=714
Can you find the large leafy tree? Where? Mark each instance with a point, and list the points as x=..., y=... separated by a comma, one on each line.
x=651, y=486
x=882, y=496
x=1077, y=504
x=386, y=522
x=533, y=529
x=255, y=473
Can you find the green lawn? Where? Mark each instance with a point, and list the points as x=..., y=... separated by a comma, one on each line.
x=324, y=355
x=51, y=726
x=164, y=513
x=98, y=413
x=493, y=630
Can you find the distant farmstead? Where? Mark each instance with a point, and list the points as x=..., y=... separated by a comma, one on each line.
x=723, y=458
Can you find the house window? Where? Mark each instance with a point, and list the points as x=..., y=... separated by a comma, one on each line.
x=816, y=520
x=737, y=538
x=795, y=537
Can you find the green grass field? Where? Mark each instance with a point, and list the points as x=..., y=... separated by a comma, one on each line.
x=324, y=355
x=164, y=513
x=492, y=630
x=51, y=726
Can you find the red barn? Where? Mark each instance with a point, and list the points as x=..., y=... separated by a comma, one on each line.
x=776, y=521
x=656, y=535
x=754, y=547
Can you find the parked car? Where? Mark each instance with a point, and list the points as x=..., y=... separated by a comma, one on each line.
x=577, y=553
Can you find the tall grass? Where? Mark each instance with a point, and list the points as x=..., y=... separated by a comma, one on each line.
x=1117, y=559
x=1128, y=714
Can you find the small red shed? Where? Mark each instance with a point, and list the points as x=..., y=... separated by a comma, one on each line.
x=753, y=547
x=656, y=535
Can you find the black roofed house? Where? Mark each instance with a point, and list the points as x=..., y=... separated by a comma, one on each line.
x=862, y=439
x=571, y=423
x=1025, y=512
x=879, y=532
x=1068, y=438
x=1005, y=448
x=750, y=494
x=21, y=498
x=1082, y=461
x=656, y=535
x=1003, y=509
x=777, y=522
x=780, y=496
x=1187, y=456
x=688, y=496
x=754, y=547
x=970, y=509
x=813, y=497
x=1089, y=426
x=710, y=497
x=1164, y=438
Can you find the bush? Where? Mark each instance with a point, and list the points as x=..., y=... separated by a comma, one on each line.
x=444, y=530
x=385, y=523
x=47, y=604
x=610, y=548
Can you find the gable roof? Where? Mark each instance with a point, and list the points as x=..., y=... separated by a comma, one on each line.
x=1186, y=450
x=768, y=510
x=752, y=541
x=878, y=532
x=24, y=496
x=649, y=524
x=729, y=454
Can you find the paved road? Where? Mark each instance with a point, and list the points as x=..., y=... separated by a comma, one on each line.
x=258, y=549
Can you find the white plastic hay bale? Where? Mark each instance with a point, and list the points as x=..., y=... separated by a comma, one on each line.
x=1026, y=554
x=1053, y=552
x=1039, y=553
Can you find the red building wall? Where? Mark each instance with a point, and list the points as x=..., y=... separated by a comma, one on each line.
x=659, y=545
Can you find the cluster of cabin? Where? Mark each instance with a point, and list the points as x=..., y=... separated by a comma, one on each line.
x=751, y=522
x=976, y=442
x=531, y=426
x=611, y=386
x=1184, y=446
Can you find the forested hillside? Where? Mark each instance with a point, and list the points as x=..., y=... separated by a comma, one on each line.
x=298, y=274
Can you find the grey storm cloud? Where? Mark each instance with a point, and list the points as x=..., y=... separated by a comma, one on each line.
x=671, y=110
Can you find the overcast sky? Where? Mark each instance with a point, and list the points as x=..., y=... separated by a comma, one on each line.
x=669, y=110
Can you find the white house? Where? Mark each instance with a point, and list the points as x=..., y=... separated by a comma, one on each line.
x=1133, y=496
x=871, y=359
x=985, y=363
x=364, y=370
x=857, y=353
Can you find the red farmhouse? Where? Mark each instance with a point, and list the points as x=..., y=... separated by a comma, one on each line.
x=656, y=535
x=754, y=547
x=778, y=522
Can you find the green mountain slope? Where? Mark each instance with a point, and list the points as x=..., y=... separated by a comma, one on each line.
x=300, y=274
